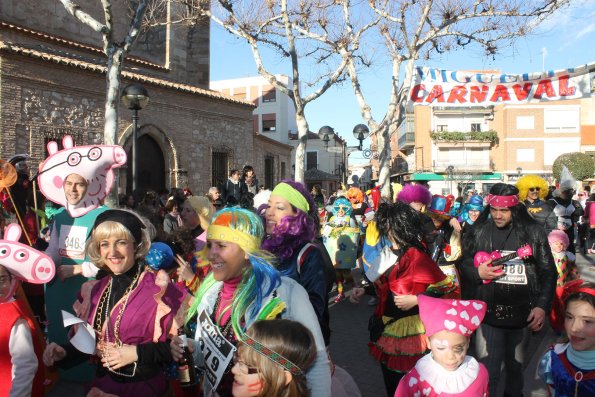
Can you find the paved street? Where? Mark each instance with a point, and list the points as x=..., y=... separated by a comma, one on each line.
x=350, y=335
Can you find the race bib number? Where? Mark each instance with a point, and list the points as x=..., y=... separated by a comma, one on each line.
x=217, y=351
x=72, y=241
x=514, y=271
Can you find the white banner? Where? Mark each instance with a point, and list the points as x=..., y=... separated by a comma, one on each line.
x=437, y=87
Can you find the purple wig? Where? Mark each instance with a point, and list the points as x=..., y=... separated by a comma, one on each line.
x=293, y=231
x=415, y=194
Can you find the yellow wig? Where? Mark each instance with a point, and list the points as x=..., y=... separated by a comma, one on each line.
x=529, y=181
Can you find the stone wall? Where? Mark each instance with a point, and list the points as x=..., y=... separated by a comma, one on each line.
x=180, y=52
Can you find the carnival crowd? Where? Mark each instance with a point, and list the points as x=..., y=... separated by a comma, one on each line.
x=227, y=293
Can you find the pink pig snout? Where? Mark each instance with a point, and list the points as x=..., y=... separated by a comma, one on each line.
x=43, y=270
x=119, y=155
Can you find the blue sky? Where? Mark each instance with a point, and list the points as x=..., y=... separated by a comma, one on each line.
x=568, y=40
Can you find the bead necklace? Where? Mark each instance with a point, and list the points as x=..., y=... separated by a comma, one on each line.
x=106, y=296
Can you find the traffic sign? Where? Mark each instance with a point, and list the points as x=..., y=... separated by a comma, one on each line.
x=336, y=149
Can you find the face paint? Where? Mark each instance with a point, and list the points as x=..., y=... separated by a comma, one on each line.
x=449, y=349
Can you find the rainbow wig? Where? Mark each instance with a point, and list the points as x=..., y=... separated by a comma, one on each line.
x=245, y=228
x=342, y=202
x=355, y=195
x=529, y=181
x=415, y=194
x=294, y=230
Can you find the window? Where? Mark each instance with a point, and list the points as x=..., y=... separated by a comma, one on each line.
x=311, y=160
x=561, y=119
x=525, y=155
x=269, y=96
x=269, y=171
x=475, y=127
x=219, y=165
x=269, y=122
x=442, y=128
x=525, y=122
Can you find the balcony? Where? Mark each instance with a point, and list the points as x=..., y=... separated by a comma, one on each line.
x=465, y=138
x=406, y=140
x=462, y=165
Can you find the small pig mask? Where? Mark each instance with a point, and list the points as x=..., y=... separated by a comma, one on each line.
x=23, y=262
x=88, y=168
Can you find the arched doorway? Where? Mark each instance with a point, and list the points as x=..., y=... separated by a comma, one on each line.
x=151, y=166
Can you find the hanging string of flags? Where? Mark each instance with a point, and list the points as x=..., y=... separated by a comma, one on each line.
x=437, y=87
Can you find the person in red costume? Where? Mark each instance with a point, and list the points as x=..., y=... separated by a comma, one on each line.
x=397, y=337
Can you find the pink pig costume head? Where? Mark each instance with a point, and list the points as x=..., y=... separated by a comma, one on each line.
x=94, y=163
x=23, y=262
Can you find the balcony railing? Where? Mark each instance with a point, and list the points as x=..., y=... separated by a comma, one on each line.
x=481, y=165
x=406, y=140
x=490, y=136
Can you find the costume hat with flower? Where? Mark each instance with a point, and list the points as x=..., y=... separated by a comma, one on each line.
x=458, y=316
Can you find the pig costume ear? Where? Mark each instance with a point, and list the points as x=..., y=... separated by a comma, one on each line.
x=92, y=167
x=22, y=261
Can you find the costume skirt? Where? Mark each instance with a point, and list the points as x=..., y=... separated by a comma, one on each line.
x=402, y=343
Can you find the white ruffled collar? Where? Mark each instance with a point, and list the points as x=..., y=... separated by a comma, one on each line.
x=444, y=381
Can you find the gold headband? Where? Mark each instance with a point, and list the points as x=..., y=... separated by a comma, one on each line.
x=247, y=242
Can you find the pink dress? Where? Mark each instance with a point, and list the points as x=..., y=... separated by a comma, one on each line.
x=429, y=379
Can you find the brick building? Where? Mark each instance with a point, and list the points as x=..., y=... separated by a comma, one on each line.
x=52, y=83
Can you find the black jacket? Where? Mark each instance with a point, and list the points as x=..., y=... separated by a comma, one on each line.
x=543, y=214
x=540, y=267
x=232, y=193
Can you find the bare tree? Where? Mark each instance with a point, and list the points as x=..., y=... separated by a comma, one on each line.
x=419, y=30
x=115, y=49
x=288, y=28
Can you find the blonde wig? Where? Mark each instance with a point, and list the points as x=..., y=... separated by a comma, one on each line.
x=529, y=181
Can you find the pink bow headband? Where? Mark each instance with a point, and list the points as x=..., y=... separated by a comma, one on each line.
x=502, y=201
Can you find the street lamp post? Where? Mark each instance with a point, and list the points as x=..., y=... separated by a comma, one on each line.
x=135, y=97
x=450, y=171
x=361, y=132
x=519, y=170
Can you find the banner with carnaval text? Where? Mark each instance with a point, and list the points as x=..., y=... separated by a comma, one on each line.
x=437, y=87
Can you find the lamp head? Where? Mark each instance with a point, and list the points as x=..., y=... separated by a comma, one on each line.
x=135, y=96
x=361, y=132
x=324, y=133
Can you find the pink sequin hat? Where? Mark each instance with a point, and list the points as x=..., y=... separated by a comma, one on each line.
x=459, y=316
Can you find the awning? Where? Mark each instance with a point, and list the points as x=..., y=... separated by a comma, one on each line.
x=432, y=176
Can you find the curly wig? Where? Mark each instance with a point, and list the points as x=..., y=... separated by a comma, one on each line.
x=342, y=202
x=402, y=223
x=415, y=194
x=355, y=195
x=295, y=230
x=529, y=181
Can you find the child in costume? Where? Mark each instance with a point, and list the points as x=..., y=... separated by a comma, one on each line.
x=569, y=368
x=567, y=271
x=21, y=342
x=272, y=359
x=447, y=370
x=341, y=238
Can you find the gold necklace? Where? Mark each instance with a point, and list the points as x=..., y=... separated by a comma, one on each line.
x=105, y=338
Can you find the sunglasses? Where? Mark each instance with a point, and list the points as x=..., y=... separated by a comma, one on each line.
x=342, y=207
x=534, y=189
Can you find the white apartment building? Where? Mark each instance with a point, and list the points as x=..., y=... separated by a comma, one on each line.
x=274, y=117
